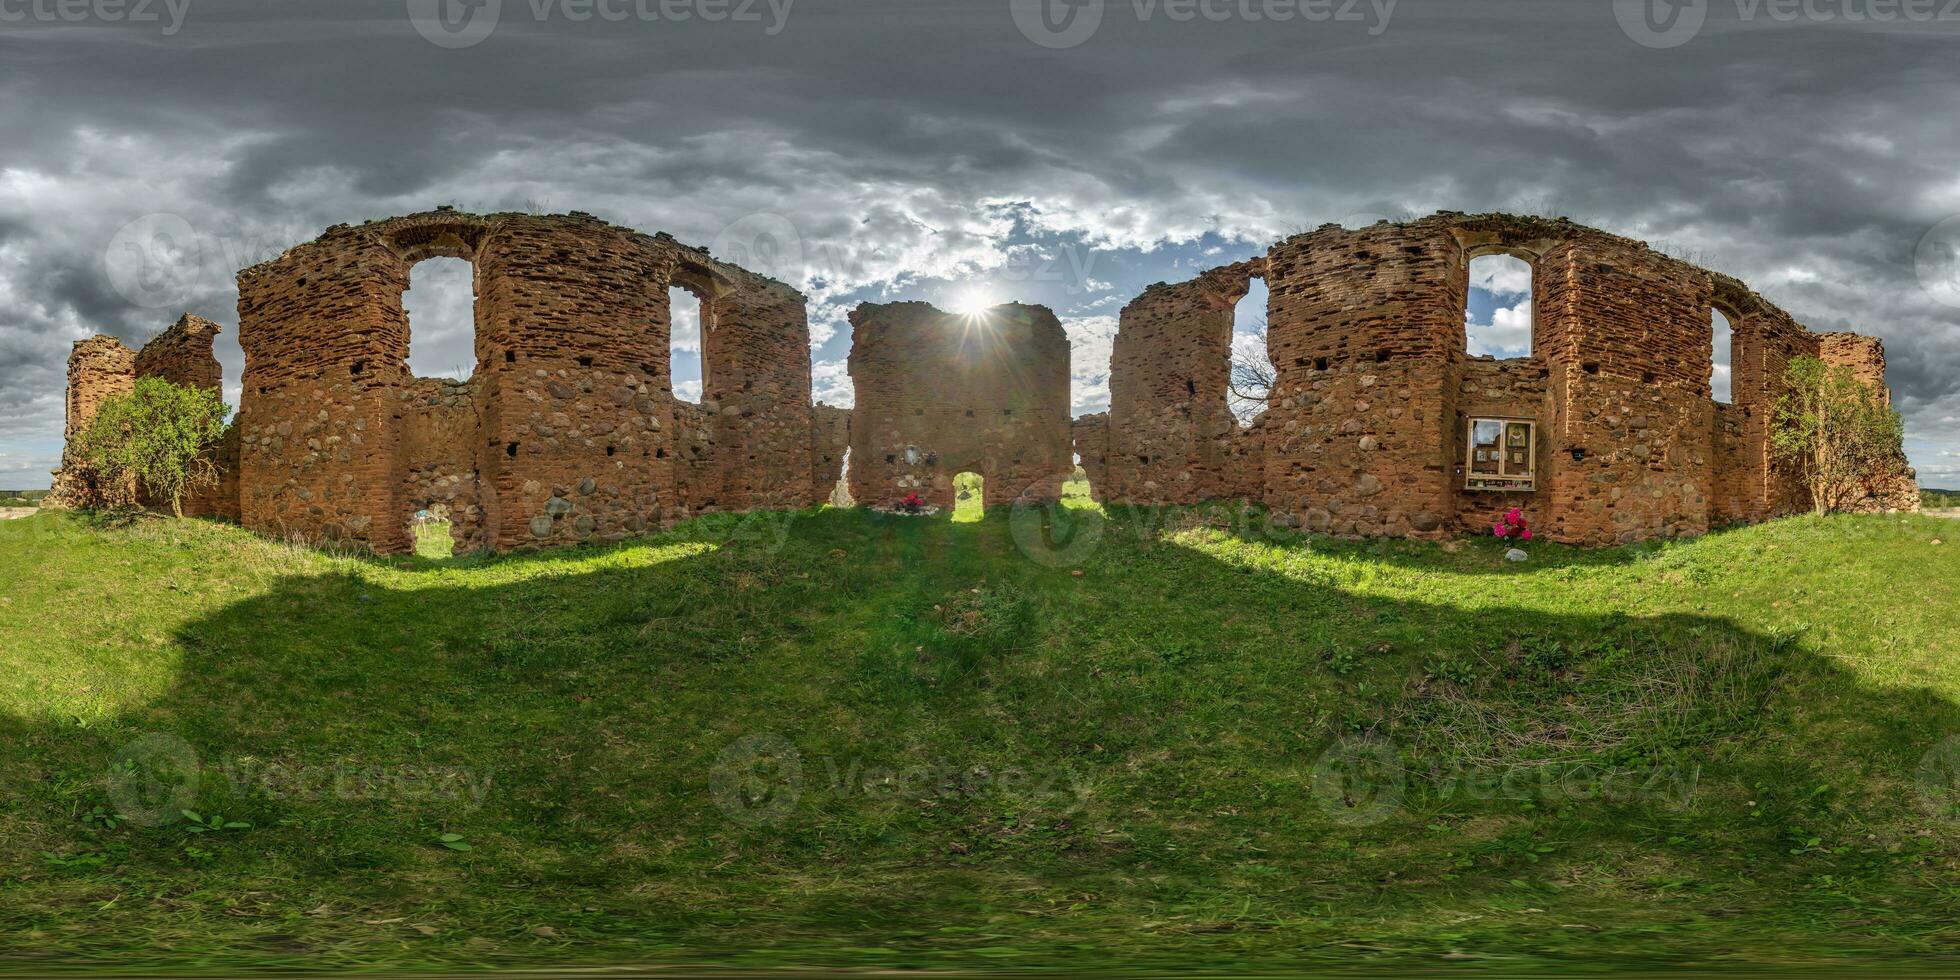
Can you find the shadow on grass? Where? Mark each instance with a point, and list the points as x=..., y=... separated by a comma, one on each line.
x=785, y=739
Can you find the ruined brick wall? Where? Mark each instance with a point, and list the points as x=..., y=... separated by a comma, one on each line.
x=1363, y=328
x=698, y=472
x=1090, y=436
x=1368, y=425
x=182, y=354
x=575, y=424
x=1171, y=429
x=830, y=440
x=568, y=430
x=98, y=368
x=939, y=394
x=1244, y=473
x=1748, y=484
x=1630, y=357
x=755, y=358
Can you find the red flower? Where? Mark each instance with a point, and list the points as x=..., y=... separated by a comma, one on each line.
x=1526, y=535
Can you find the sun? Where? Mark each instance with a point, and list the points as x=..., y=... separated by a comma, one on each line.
x=972, y=301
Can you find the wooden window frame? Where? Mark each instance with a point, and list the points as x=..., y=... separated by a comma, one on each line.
x=1507, y=479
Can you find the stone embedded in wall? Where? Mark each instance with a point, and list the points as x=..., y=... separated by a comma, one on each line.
x=939, y=394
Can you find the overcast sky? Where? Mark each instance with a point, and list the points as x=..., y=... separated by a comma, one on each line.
x=973, y=151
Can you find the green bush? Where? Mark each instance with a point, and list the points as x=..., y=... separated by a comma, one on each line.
x=158, y=438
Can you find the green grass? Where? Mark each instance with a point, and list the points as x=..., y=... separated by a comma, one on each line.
x=836, y=738
x=21, y=498
x=1940, y=499
x=433, y=540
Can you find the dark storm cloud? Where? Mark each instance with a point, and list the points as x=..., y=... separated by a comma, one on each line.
x=911, y=142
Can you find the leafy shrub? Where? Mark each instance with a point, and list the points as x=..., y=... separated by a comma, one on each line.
x=157, y=437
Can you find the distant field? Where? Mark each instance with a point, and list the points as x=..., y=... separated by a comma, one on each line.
x=1940, y=499
x=21, y=498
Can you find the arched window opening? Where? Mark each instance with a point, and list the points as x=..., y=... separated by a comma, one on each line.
x=1497, y=314
x=441, y=307
x=684, y=341
x=969, y=498
x=1722, y=379
x=1253, y=374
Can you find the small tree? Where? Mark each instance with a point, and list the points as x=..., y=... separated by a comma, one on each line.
x=1835, y=432
x=157, y=436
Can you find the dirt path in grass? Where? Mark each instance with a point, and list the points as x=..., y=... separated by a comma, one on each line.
x=9, y=513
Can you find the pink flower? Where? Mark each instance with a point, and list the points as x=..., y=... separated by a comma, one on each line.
x=1514, y=516
x=1497, y=529
x=1527, y=534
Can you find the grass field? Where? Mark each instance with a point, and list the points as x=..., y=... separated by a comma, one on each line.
x=21, y=498
x=1940, y=499
x=1171, y=739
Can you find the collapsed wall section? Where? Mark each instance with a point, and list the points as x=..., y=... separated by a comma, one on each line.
x=99, y=368
x=939, y=394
